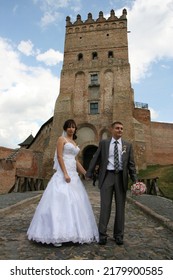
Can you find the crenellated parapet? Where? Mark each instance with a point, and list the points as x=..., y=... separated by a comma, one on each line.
x=96, y=43
x=100, y=22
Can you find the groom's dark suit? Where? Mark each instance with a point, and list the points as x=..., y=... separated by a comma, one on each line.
x=111, y=182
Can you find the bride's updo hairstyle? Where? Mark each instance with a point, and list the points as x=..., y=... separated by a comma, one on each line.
x=70, y=123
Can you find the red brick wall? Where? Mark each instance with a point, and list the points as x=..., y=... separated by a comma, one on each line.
x=162, y=143
x=26, y=164
x=5, y=152
x=7, y=175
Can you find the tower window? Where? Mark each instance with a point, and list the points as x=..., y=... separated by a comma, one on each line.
x=80, y=56
x=94, y=55
x=94, y=108
x=94, y=79
x=110, y=54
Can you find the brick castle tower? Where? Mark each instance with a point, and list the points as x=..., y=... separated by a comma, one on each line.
x=95, y=87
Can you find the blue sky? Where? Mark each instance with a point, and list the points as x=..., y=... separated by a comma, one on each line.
x=32, y=34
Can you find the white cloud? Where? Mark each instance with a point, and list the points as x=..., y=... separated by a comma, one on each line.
x=52, y=4
x=151, y=26
x=9, y=65
x=49, y=17
x=50, y=57
x=154, y=114
x=53, y=10
x=165, y=66
x=15, y=9
x=26, y=47
x=27, y=97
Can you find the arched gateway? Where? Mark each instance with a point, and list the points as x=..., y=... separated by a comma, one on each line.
x=87, y=155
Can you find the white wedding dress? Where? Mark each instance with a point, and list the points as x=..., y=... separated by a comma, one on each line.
x=64, y=213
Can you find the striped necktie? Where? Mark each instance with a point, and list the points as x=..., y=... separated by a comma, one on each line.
x=116, y=159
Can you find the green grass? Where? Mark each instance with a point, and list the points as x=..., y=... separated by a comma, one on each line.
x=165, y=178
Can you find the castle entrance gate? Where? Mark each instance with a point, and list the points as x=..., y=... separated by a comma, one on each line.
x=88, y=153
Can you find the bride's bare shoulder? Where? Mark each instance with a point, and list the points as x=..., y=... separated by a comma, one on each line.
x=61, y=139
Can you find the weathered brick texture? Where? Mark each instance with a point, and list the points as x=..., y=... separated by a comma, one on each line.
x=24, y=163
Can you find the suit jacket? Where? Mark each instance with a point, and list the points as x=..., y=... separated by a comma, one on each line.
x=101, y=158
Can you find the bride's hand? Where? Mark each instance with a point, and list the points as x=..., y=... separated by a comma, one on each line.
x=67, y=179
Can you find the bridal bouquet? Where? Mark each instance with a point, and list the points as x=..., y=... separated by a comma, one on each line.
x=138, y=188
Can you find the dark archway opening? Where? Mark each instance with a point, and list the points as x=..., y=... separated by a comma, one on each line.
x=88, y=153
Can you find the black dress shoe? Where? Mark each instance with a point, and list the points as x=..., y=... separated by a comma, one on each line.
x=103, y=241
x=119, y=241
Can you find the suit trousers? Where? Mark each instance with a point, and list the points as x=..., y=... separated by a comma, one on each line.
x=112, y=186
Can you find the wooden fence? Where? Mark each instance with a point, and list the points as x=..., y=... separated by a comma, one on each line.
x=152, y=186
x=24, y=184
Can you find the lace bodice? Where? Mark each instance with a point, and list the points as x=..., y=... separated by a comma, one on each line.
x=69, y=153
x=70, y=150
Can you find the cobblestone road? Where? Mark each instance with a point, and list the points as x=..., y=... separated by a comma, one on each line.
x=145, y=238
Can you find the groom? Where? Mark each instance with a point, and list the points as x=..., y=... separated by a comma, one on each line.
x=116, y=161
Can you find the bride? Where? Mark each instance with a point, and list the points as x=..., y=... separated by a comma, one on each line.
x=64, y=213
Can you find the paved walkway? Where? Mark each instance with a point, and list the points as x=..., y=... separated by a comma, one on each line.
x=10, y=199
x=148, y=233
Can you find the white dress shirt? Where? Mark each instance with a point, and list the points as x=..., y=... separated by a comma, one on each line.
x=110, y=165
